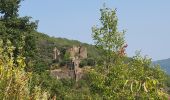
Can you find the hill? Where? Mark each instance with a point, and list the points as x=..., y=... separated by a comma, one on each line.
x=165, y=64
x=46, y=44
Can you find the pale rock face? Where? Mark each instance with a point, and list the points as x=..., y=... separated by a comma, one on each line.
x=83, y=52
x=56, y=53
x=79, y=51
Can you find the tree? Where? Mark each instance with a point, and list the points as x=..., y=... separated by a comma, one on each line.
x=137, y=79
x=19, y=30
x=107, y=37
x=9, y=8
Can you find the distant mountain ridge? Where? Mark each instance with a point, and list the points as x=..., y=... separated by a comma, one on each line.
x=165, y=64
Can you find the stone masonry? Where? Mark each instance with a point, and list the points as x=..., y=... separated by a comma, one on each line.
x=77, y=53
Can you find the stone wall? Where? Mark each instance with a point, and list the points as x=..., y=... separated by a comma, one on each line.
x=77, y=51
x=83, y=52
x=56, y=54
x=67, y=74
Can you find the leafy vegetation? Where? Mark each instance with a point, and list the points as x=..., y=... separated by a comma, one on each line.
x=136, y=79
x=45, y=45
x=19, y=30
x=107, y=38
x=14, y=81
x=26, y=57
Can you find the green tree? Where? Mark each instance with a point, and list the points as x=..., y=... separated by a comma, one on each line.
x=136, y=79
x=9, y=8
x=107, y=37
x=19, y=30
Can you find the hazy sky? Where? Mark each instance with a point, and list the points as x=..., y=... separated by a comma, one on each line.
x=147, y=22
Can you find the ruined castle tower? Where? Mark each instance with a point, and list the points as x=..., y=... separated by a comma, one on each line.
x=56, y=54
x=76, y=63
x=77, y=53
x=82, y=52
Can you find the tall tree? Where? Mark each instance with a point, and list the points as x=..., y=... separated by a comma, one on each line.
x=19, y=30
x=9, y=8
x=136, y=79
x=107, y=37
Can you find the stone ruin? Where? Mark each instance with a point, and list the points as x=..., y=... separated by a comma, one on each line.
x=56, y=55
x=77, y=53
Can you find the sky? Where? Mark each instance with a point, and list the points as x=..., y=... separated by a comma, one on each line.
x=147, y=22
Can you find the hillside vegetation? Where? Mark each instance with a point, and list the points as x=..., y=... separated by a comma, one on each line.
x=26, y=56
x=47, y=44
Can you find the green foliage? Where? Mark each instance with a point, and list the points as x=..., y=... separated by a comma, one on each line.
x=40, y=67
x=87, y=62
x=65, y=59
x=107, y=37
x=83, y=63
x=66, y=56
x=137, y=79
x=168, y=81
x=115, y=77
x=45, y=45
x=9, y=8
x=19, y=30
x=167, y=84
x=14, y=81
x=66, y=89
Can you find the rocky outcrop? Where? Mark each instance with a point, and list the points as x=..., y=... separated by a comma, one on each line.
x=56, y=55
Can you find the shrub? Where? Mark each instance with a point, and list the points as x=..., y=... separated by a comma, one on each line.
x=137, y=79
x=14, y=81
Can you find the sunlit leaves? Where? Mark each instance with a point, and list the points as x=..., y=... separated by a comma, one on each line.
x=107, y=37
x=14, y=81
x=121, y=80
x=137, y=79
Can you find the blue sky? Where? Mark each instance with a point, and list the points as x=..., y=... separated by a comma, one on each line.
x=147, y=22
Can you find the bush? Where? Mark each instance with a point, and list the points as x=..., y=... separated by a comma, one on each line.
x=90, y=62
x=14, y=81
x=87, y=62
x=137, y=79
x=83, y=63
